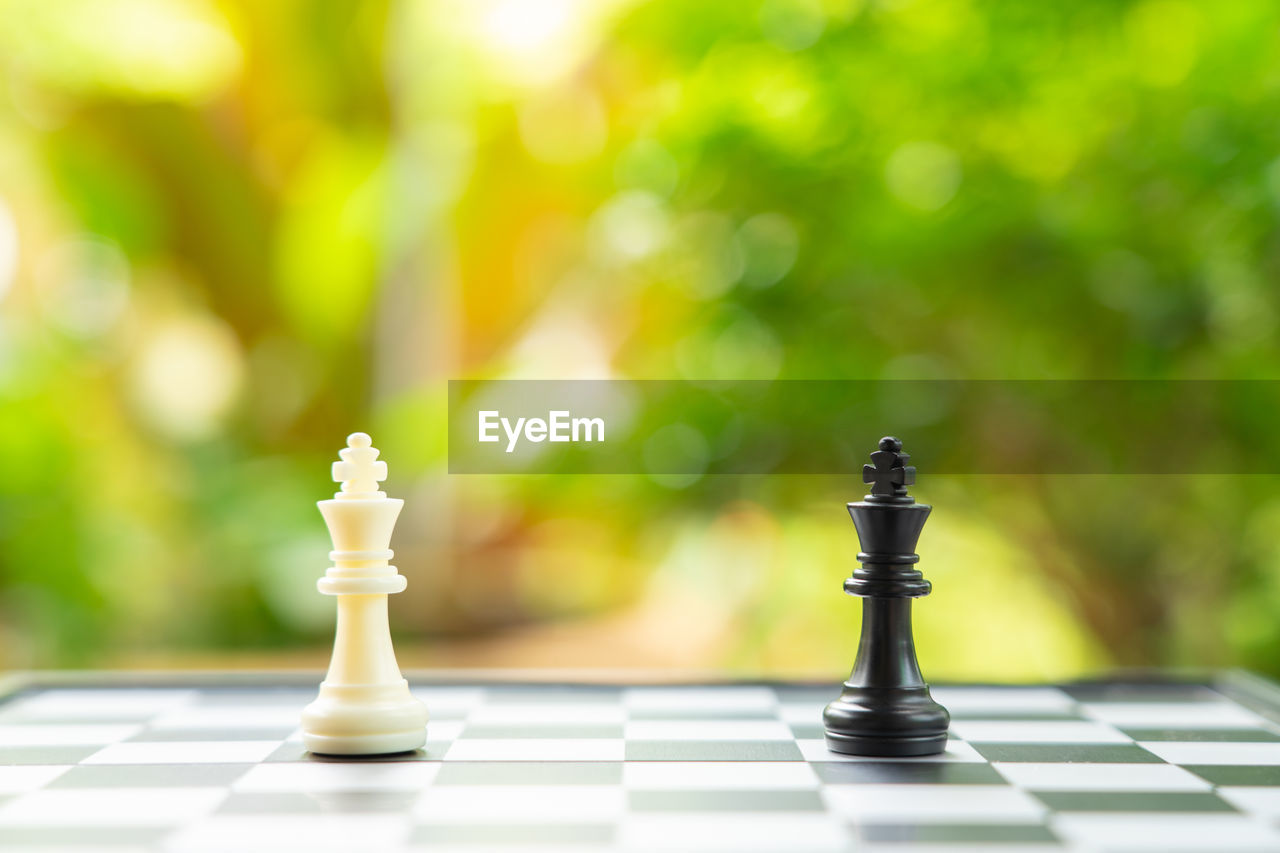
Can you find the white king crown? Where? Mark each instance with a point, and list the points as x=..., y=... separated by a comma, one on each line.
x=360, y=470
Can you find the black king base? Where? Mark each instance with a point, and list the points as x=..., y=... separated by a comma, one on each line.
x=885, y=708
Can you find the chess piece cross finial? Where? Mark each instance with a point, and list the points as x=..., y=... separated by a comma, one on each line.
x=360, y=470
x=889, y=475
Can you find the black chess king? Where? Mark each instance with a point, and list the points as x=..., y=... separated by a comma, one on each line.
x=885, y=708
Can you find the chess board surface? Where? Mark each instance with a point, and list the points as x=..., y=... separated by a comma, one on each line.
x=524, y=767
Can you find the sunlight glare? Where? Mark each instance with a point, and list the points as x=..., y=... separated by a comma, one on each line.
x=8, y=249
x=528, y=26
x=531, y=43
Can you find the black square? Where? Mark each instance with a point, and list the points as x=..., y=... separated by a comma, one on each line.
x=1057, y=753
x=795, y=694
x=1257, y=775
x=83, y=837
x=203, y=735
x=1133, y=801
x=1140, y=692
x=1226, y=735
x=958, y=833
x=906, y=772
x=1019, y=715
x=45, y=754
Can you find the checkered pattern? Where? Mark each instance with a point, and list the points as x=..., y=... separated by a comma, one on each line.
x=526, y=767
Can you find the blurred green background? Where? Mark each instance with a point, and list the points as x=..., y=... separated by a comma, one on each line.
x=233, y=232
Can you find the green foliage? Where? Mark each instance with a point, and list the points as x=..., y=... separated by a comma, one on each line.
x=324, y=211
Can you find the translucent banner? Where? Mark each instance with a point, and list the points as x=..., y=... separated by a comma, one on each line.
x=829, y=426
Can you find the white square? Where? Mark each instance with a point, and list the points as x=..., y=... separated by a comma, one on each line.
x=718, y=775
x=816, y=750
x=277, y=833
x=1048, y=731
x=445, y=729
x=454, y=701
x=332, y=777
x=20, y=778
x=735, y=831
x=1165, y=831
x=707, y=730
x=99, y=703
x=550, y=749
x=602, y=714
x=700, y=698
x=1257, y=801
x=181, y=752
x=469, y=804
x=1200, y=752
x=230, y=717
x=1180, y=715
x=1099, y=777
x=110, y=806
x=933, y=803
x=1003, y=700
x=67, y=734
x=791, y=713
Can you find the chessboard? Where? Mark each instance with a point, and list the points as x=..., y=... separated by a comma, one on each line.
x=217, y=765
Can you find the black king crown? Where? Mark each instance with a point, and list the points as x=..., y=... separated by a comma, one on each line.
x=885, y=708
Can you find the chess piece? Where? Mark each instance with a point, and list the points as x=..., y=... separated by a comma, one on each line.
x=364, y=706
x=885, y=708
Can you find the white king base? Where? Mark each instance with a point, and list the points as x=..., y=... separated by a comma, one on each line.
x=364, y=707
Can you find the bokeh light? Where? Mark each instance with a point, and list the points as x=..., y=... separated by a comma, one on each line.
x=233, y=232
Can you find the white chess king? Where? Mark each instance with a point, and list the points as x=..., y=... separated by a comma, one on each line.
x=364, y=707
